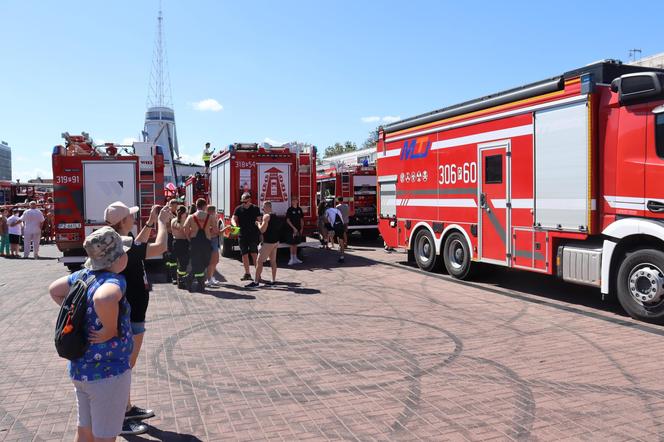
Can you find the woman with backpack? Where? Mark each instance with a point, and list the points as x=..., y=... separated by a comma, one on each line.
x=102, y=376
x=270, y=227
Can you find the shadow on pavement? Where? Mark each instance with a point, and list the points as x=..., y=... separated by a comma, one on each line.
x=228, y=295
x=532, y=284
x=163, y=435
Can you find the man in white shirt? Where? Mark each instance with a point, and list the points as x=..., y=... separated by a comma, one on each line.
x=32, y=220
x=335, y=225
x=14, y=227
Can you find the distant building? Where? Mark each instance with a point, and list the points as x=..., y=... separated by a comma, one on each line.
x=5, y=161
x=652, y=61
x=362, y=156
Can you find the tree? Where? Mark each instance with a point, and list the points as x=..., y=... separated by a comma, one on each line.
x=339, y=148
x=372, y=140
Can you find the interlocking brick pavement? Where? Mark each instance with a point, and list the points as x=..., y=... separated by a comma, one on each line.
x=370, y=350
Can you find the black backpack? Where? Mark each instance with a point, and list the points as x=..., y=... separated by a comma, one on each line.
x=71, y=338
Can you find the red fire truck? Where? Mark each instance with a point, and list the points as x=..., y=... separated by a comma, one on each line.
x=87, y=178
x=562, y=177
x=357, y=186
x=16, y=193
x=197, y=186
x=270, y=174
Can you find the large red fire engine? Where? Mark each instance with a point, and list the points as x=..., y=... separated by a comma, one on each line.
x=87, y=178
x=357, y=186
x=562, y=177
x=195, y=187
x=273, y=174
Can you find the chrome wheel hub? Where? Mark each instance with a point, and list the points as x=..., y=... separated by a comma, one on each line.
x=456, y=254
x=424, y=249
x=646, y=284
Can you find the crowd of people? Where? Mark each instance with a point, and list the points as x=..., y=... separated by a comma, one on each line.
x=118, y=291
x=26, y=227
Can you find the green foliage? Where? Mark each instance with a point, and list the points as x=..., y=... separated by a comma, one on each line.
x=339, y=148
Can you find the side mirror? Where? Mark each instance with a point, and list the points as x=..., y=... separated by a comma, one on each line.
x=638, y=87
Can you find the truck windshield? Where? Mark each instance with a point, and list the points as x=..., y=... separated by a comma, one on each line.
x=659, y=134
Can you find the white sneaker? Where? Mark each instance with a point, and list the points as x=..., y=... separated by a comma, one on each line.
x=291, y=262
x=215, y=281
x=297, y=261
x=210, y=283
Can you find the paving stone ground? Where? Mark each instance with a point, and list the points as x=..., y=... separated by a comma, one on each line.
x=369, y=350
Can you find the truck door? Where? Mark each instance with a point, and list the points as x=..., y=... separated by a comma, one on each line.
x=630, y=161
x=493, y=202
x=104, y=183
x=654, y=194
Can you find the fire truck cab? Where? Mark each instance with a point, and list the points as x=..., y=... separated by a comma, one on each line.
x=357, y=186
x=268, y=173
x=87, y=178
x=563, y=177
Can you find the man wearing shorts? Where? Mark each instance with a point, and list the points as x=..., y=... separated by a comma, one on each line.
x=14, y=229
x=335, y=223
x=245, y=216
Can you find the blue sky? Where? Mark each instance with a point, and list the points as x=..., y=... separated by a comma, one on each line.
x=310, y=71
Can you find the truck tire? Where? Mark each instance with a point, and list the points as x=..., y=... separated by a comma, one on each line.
x=369, y=234
x=640, y=285
x=424, y=250
x=227, y=247
x=456, y=255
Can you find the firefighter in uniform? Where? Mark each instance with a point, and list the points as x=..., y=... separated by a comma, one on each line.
x=181, y=247
x=169, y=256
x=200, y=248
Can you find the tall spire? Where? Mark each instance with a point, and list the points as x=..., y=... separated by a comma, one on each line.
x=159, y=90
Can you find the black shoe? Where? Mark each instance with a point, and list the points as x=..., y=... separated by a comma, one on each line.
x=252, y=284
x=341, y=260
x=137, y=413
x=246, y=277
x=133, y=428
x=271, y=282
x=201, y=284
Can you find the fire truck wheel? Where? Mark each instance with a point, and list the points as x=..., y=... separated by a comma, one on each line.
x=424, y=249
x=456, y=255
x=640, y=285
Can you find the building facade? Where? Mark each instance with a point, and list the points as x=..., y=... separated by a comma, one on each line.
x=5, y=161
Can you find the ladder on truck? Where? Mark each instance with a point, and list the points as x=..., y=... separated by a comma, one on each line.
x=304, y=183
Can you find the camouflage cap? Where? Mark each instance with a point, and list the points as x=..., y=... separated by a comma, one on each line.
x=103, y=247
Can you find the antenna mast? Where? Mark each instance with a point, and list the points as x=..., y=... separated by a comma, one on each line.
x=159, y=91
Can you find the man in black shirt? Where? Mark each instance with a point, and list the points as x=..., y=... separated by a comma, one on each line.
x=245, y=216
x=294, y=218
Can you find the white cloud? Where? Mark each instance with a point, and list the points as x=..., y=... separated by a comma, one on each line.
x=372, y=119
x=272, y=142
x=376, y=119
x=209, y=104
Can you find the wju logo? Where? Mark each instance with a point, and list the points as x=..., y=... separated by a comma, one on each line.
x=413, y=150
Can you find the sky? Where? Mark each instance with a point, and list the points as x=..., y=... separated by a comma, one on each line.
x=294, y=70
